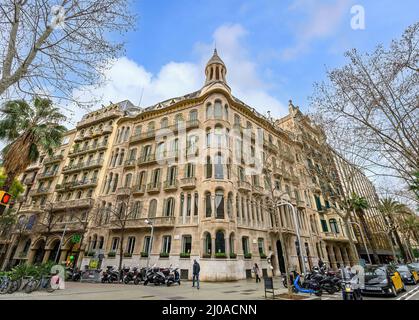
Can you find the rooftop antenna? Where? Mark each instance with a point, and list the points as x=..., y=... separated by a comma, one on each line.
x=141, y=97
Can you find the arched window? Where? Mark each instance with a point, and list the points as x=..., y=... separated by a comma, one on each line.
x=94, y=242
x=208, y=168
x=245, y=245
x=151, y=127
x=334, y=225
x=101, y=242
x=127, y=132
x=164, y=123
x=160, y=151
x=179, y=121
x=219, y=167
x=31, y=222
x=27, y=246
x=128, y=180
x=78, y=196
x=218, y=110
x=152, y=208
x=138, y=130
x=219, y=204
x=208, y=209
x=207, y=244
x=208, y=138
x=226, y=112
x=169, y=207
x=193, y=115
x=219, y=136
x=209, y=111
x=220, y=246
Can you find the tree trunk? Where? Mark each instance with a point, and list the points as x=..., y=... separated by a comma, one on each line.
x=121, y=255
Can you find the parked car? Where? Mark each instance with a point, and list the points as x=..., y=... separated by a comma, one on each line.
x=409, y=274
x=382, y=279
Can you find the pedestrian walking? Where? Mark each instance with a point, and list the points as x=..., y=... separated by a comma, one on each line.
x=256, y=271
x=195, y=272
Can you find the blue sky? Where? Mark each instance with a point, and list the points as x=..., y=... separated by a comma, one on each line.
x=274, y=50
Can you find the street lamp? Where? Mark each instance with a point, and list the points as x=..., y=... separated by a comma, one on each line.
x=62, y=239
x=150, y=223
x=286, y=203
x=363, y=239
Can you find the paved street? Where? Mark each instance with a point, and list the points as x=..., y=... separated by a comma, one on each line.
x=237, y=290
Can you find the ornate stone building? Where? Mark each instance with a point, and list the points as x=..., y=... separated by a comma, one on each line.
x=204, y=169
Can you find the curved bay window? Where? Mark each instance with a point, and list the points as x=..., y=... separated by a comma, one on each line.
x=220, y=246
x=218, y=110
x=219, y=204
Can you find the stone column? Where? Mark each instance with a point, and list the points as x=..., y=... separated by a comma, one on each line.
x=31, y=256
x=63, y=255
x=338, y=255
x=46, y=255
x=345, y=256
x=331, y=254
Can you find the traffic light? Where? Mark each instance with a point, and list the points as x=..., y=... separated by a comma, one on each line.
x=5, y=198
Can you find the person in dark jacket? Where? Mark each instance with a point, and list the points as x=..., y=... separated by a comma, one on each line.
x=195, y=271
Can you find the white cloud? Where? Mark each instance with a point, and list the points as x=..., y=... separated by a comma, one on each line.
x=320, y=21
x=127, y=79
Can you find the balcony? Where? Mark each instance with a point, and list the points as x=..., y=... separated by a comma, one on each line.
x=139, y=190
x=141, y=137
x=270, y=146
x=335, y=236
x=171, y=185
x=244, y=186
x=158, y=222
x=107, y=129
x=153, y=188
x=86, y=183
x=46, y=175
x=129, y=164
x=188, y=183
x=82, y=166
x=147, y=160
x=301, y=204
x=29, y=180
x=74, y=204
x=53, y=159
x=123, y=192
x=39, y=191
x=89, y=148
x=257, y=190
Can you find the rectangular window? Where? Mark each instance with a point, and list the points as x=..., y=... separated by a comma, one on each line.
x=167, y=241
x=146, y=246
x=245, y=244
x=261, y=246
x=324, y=225
x=188, y=205
x=130, y=245
x=196, y=205
x=115, y=242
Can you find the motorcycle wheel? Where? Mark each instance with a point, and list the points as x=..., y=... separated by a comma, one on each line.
x=168, y=283
x=330, y=290
x=136, y=281
x=145, y=282
x=319, y=293
x=126, y=281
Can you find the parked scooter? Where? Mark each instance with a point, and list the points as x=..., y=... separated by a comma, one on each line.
x=73, y=274
x=150, y=274
x=351, y=287
x=174, y=277
x=130, y=275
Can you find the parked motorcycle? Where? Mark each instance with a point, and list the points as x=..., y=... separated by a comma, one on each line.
x=74, y=274
x=130, y=275
x=110, y=275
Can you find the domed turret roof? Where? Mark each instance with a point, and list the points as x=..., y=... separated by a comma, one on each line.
x=215, y=59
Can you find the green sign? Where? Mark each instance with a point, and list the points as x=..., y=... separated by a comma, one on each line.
x=76, y=238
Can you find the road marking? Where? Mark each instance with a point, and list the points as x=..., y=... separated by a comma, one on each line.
x=408, y=293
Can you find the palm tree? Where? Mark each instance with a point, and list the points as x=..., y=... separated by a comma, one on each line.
x=389, y=208
x=410, y=227
x=28, y=130
x=359, y=204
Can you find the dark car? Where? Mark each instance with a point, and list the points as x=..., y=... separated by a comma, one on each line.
x=382, y=279
x=409, y=274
